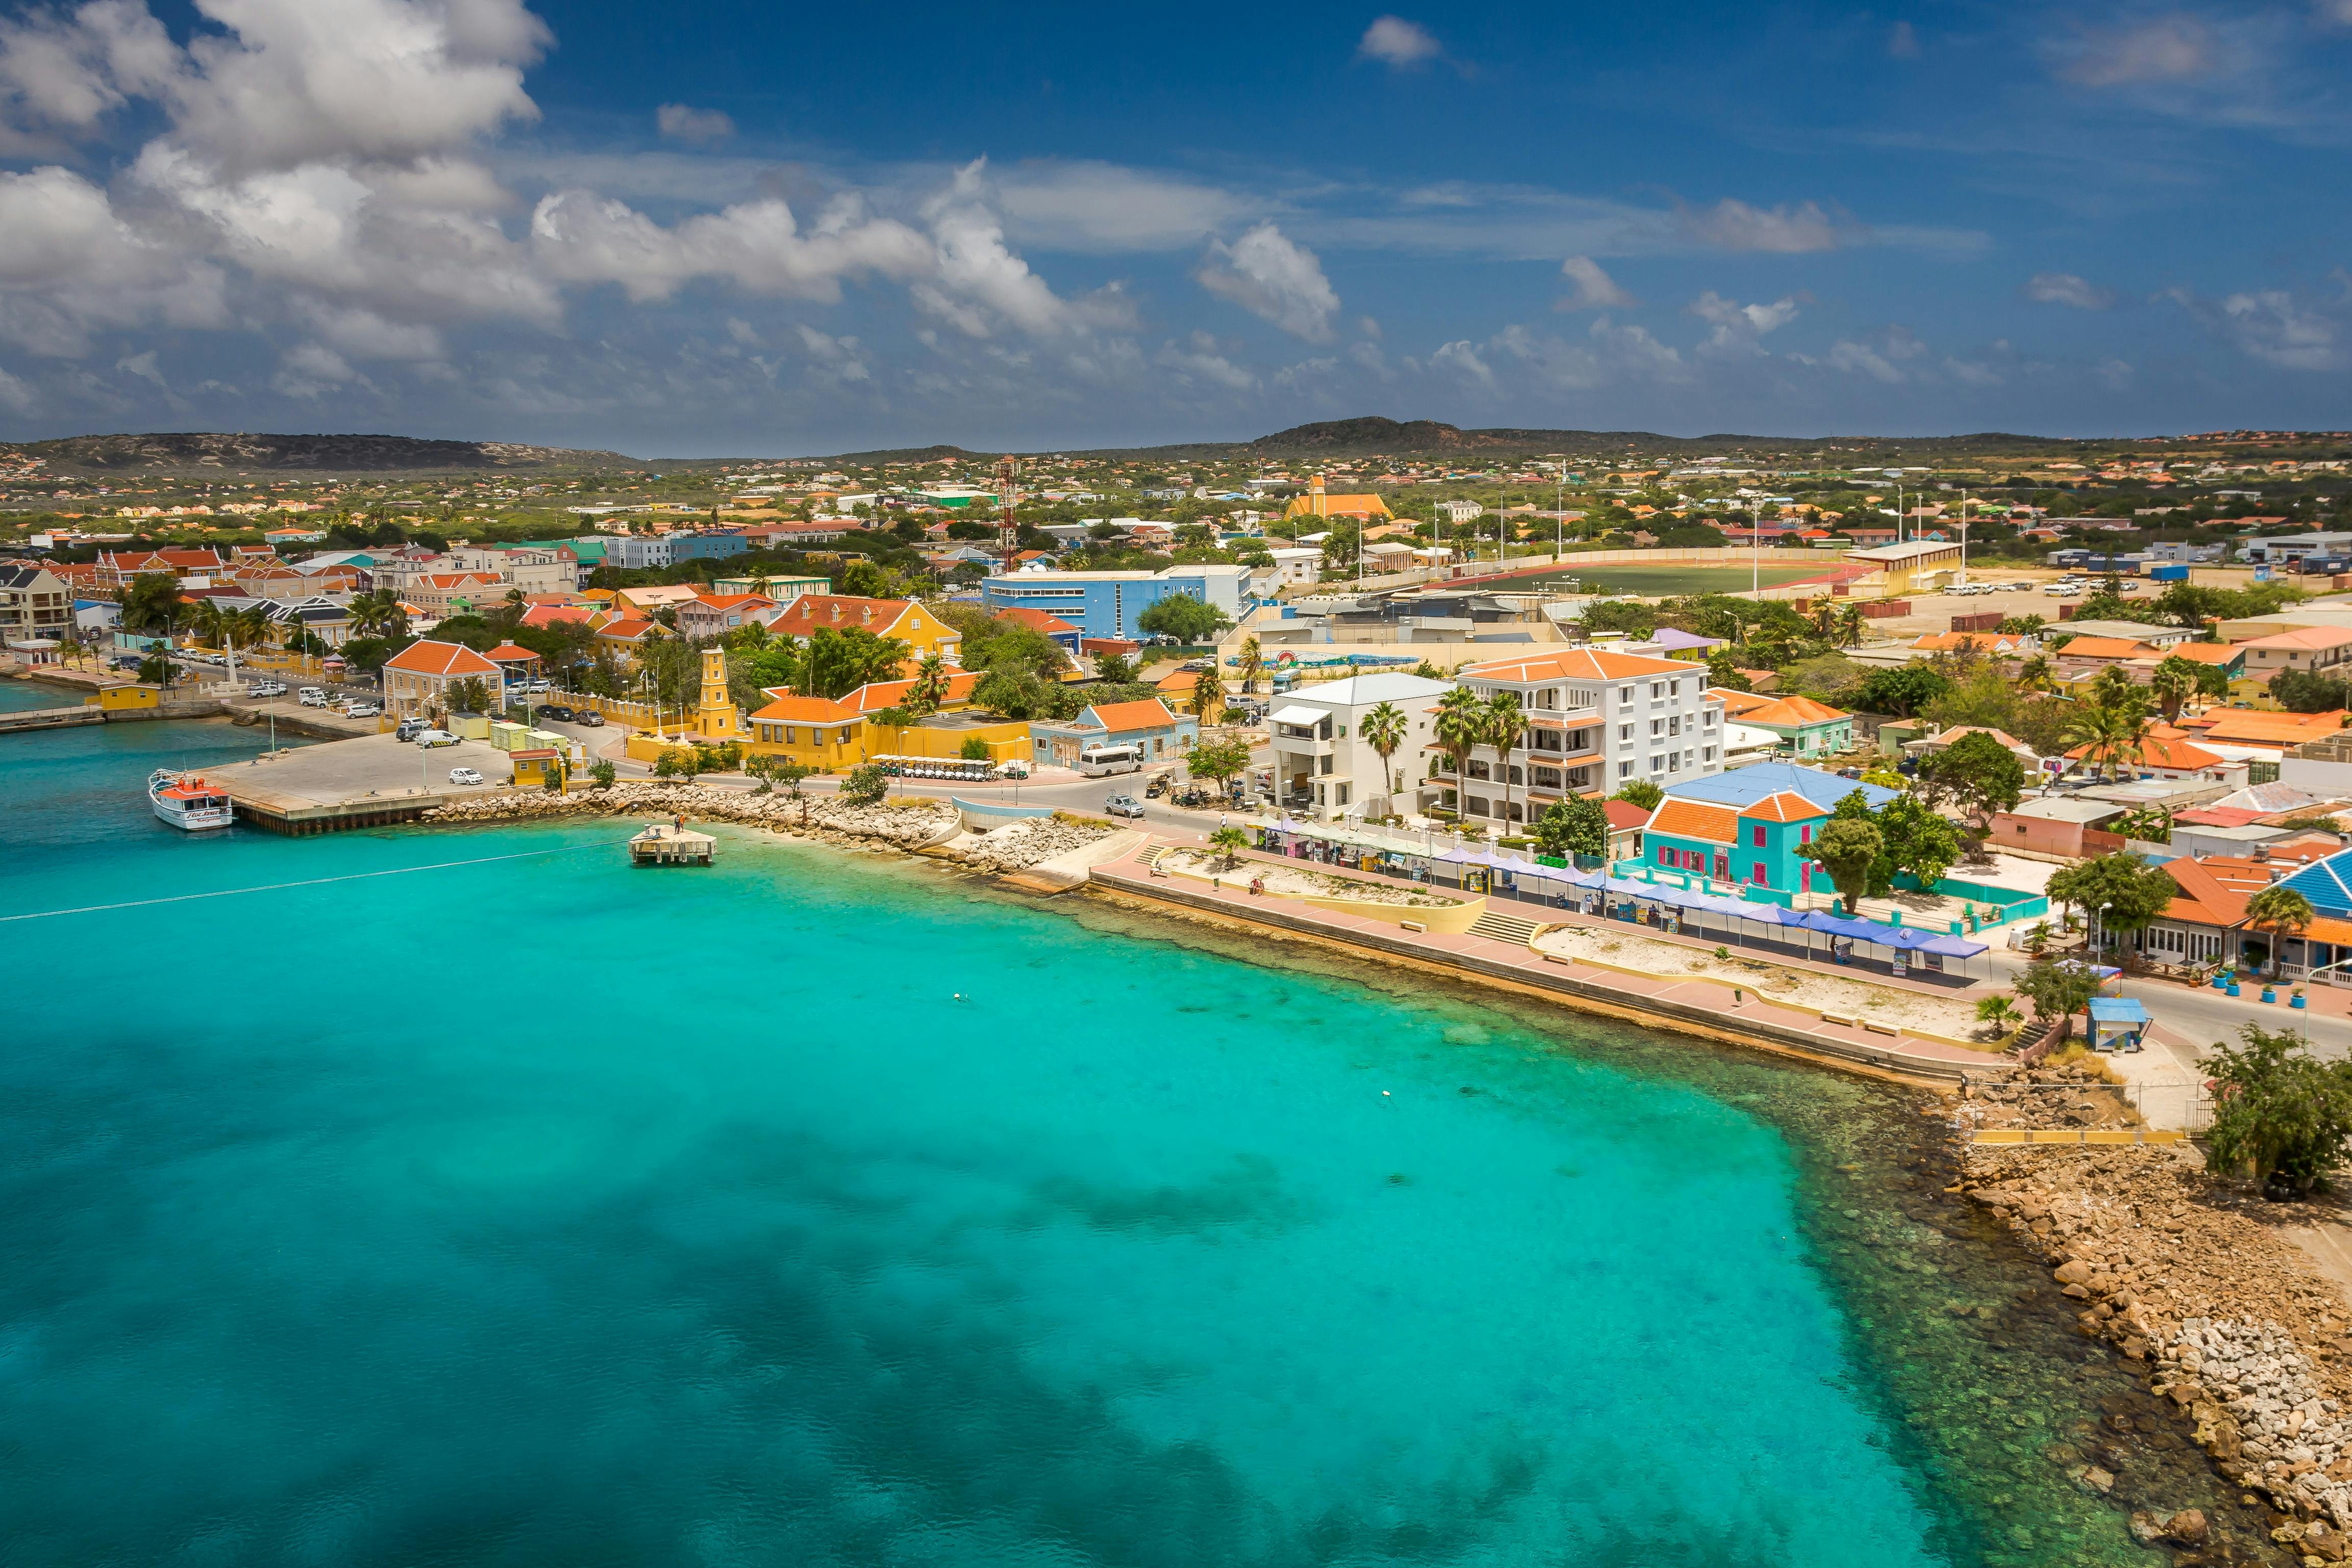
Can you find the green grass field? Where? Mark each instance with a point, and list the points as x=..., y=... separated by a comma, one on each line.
x=1655, y=582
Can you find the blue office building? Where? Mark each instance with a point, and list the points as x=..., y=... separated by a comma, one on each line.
x=1109, y=603
x=705, y=546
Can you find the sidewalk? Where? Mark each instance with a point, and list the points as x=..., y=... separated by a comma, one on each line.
x=1703, y=1007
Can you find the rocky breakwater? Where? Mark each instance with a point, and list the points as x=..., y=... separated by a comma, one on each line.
x=905, y=824
x=2198, y=1281
x=1017, y=846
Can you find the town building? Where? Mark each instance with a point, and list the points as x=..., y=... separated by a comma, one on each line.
x=909, y=622
x=772, y=585
x=1111, y=603
x=715, y=615
x=35, y=604
x=1806, y=728
x=1052, y=627
x=654, y=598
x=1757, y=845
x=1157, y=734
x=2309, y=650
x=1595, y=719
x=1908, y=568
x=421, y=676
x=815, y=732
x=1323, y=763
x=1317, y=503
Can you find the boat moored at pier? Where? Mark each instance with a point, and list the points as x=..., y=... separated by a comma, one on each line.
x=186, y=801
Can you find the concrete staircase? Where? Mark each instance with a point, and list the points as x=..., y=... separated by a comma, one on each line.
x=1497, y=926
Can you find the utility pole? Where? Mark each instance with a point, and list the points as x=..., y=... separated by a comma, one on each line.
x=1007, y=495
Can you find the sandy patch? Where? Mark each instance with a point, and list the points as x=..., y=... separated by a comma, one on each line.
x=1295, y=882
x=1947, y=1018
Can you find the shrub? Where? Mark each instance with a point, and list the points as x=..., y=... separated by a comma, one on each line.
x=973, y=750
x=603, y=774
x=866, y=784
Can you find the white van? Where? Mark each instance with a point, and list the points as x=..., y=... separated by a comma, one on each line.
x=314, y=697
x=1100, y=761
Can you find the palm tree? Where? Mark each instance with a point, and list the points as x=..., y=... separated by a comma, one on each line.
x=1825, y=619
x=1461, y=726
x=1383, y=730
x=2173, y=684
x=2033, y=674
x=1998, y=1012
x=2278, y=909
x=378, y=614
x=1505, y=725
x=1253, y=665
x=1849, y=626
x=1209, y=694
x=930, y=685
x=2108, y=734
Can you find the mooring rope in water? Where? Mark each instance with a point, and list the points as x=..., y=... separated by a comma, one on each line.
x=311, y=881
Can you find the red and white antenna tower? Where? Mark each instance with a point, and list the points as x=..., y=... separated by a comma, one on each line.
x=1008, y=493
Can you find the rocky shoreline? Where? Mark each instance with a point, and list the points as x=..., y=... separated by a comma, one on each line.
x=912, y=824
x=2195, y=1281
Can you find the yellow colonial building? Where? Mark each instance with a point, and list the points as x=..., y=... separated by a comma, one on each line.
x=815, y=732
x=1315, y=503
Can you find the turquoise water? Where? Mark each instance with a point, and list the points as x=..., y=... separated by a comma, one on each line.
x=817, y=1210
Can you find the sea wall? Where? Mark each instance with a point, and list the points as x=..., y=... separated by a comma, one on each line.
x=913, y=823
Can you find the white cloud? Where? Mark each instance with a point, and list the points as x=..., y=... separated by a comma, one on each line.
x=1732, y=224
x=61, y=74
x=1271, y=277
x=682, y=122
x=2164, y=49
x=2272, y=328
x=1595, y=289
x=143, y=366
x=1753, y=320
x=16, y=395
x=2065, y=289
x=840, y=358
x=1103, y=208
x=1398, y=44
x=1203, y=364
x=364, y=335
x=1462, y=358
x=977, y=279
x=311, y=370
x=1862, y=359
x=581, y=237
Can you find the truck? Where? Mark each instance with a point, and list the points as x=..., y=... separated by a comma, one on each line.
x=2167, y=571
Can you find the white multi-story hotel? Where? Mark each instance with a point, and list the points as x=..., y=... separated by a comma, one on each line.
x=1595, y=720
x=1324, y=766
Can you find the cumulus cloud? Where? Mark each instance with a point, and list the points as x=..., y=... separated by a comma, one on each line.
x=1594, y=289
x=2065, y=289
x=1745, y=322
x=2165, y=48
x=1203, y=365
x=1271, y=277
x=1732, y=224
x=311, y=370
x=1103, y=208
x=1462, y=358
x=977, y=281
x=682, y=122
x=2274, y=327
x=1398, y=44
x=1881, y=360
x=581, y=237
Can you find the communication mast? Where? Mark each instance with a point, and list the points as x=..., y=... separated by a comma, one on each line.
x=1007, y=494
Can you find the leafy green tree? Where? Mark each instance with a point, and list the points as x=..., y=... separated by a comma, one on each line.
x=1902, y=691
x=1631, y=616
x=1641, y=792
x=155, y=667
x=2276, y=1109
x=864, y=580
x=1220, y=760
x=603, y=774
x=2306, y=691
x=1848, y=850
x=470, y=695
x=864, y=784
x=2056, y=988
x=1116, y=669
x=151, y=602
x=973, y=750
x=1183, y=617
x=1978, y=774
x=1915, y=841
x=1014, y=694
x=789, y=774
x=2125, y=894
x=1578, y=825
x=838, y=662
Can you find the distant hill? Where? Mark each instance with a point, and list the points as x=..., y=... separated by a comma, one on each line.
x=313, y=453
x=1433, y=438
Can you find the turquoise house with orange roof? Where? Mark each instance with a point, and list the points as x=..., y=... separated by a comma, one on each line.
x=1756, y=848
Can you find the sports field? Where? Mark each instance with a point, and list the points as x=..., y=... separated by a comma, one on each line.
x=1656, y=581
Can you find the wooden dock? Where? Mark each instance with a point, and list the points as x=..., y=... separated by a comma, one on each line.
x=660, y=845
x=50, y=718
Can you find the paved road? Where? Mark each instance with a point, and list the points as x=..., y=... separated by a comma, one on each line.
x=2204, y=1015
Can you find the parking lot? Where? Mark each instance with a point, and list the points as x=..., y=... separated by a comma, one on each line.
x=371, y=764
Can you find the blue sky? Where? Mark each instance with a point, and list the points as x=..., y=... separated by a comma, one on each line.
x=723, y=229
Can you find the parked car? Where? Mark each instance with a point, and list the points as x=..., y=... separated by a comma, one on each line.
x=465, y=775
x=409, y=728
x=536, y=688
x=364, y=710
x=589, y=717
x=554, y=710
x=1123, y=806
x=314, y=697
x=1157, y=787
x=429, y=738
x=127, y=662
x=265, y=689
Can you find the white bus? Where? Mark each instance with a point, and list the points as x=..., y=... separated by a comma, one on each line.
x=1097, y=762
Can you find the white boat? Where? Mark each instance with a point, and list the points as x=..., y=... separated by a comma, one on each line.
x=185, y=800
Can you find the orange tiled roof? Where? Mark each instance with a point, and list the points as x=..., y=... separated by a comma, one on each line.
x=808, y=710
x=1695, y=820
x=1791, y=711
x=1037, y=619
x=2303, y=637
x=2206, y=652
x=1578, y=665
x=877, y=695
x=431, y=658
x=1119, y=718
x=550, y=614
x=2246, y=728
x=509, y=653
x=1737, y=703
x=840, y=611
x=1788, y=806
x=627, y=629
x=2108, y=648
